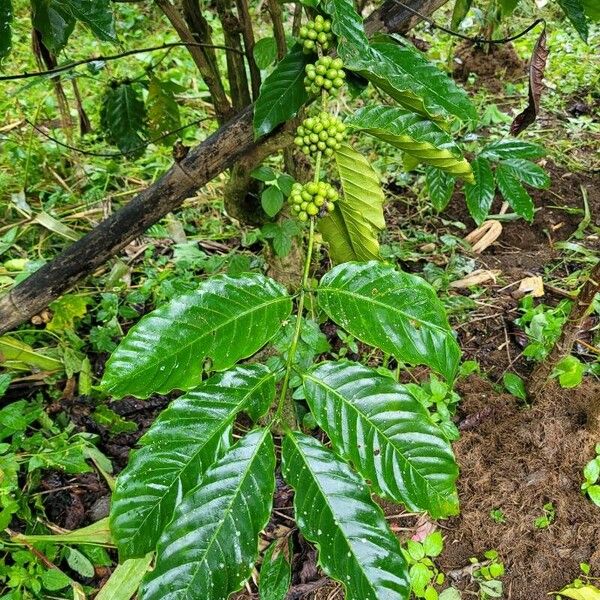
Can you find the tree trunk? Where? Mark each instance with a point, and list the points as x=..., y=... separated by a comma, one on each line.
x=216, y=154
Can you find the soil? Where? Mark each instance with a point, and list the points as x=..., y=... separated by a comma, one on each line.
x=494, y=68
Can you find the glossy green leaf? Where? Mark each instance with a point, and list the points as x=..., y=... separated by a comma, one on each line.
x=225, y=319
x=480, y=195
x=414, y=135
x=125, y=579
x=182, y=443
x=395, y=311
x=335, y=512
x=405, y=74
x=514, y=193
x=95, y=14
x=511, y=148
x=265, y=52
x=347, y=25
x=375, y=423
x=528, y=172
x=282, y=92
x=574, y=11
x=54, y=21
x=352, y=229
x=440, y=186
x=275, y=576
x=459, y=12
x=514, y=385
x=163, y=111
x=6, y=19
x=123, y=117
x=209, y=548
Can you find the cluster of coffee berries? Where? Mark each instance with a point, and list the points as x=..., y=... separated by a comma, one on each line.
x=326, y=74
x=323, y=133
x=316, y=32
x=312, y=199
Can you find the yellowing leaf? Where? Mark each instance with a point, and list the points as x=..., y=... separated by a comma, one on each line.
x=587, y=592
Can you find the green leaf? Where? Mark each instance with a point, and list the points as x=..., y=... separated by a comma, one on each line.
x=265, y=52
x=6, y=19
x=125, y=579
x=433, y=544
x=80, y=563
x=181, y=444
x=123, y=118
x=440, y=186
x=54, y=580
x=414, y=135
x=54, y=21
x=395, y=311
x=386, y=433
x=528, y=172
x=271, y=200
x=66, y=310
x=510, y=148
x=282, y=92
x=514, y=193
x=574, y=11
x=406, y=75
x=96, y=14
x=347, y=25
x=592, y=9
x=569, y=371
x=480, y=195
x=461, y=8
x=163, y=111
x=508, y=6
x=335, y=512
x=351, y=230
x=225, y=319
x=594, y=493
x=514, y=385
x=275, y=576
x=15, y=351
x=591, y=471
x=209, y=548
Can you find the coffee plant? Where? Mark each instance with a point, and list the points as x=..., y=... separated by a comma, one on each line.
x=200, y=488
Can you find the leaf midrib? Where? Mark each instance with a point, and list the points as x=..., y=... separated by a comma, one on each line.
x=209, y=333
x=227, y=421
x=383, y=435
x=324, y=496
x=407, y=316
x=229, y=507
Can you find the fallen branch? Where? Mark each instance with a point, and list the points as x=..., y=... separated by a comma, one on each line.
x=213, y=156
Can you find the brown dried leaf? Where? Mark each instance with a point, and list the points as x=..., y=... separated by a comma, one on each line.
x=537, y=65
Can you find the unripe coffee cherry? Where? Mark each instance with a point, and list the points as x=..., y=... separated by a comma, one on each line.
x=323, y=132
x=326, y=74
x=316, y=32
x=322, y=199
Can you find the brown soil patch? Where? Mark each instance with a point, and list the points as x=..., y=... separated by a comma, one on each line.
x=517, y=460
x=493, y=68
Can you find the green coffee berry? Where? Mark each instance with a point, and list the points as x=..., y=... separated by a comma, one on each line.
x=321, y=133
x=322, y=199
x=317, y=32
x=326, y=74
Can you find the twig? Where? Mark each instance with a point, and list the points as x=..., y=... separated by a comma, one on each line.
x=110, y=57
x=476, y=40
x=114, y=154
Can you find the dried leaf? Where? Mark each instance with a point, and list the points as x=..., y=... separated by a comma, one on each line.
x=484, y=236
x=537, y=65
x=530, y=286
x=477, y=277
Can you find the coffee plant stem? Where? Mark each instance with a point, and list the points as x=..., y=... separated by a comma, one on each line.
x=296, y=337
